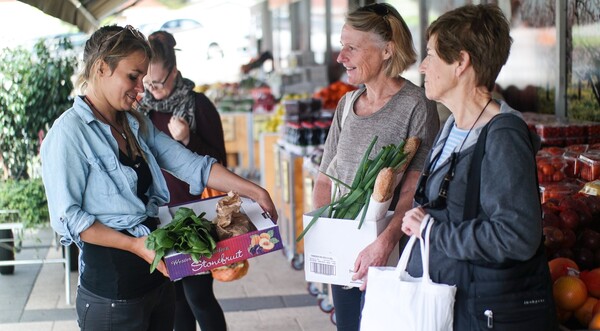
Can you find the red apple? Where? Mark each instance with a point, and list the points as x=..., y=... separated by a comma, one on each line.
x=585, y=214
x=569, y=238
x=569, y=219
x=551, y=204
x=551, y=219
x=590, y=239
x=593, y=202
x=553, y=236
x=584, y=258
x=568, y=203
x=564, y=252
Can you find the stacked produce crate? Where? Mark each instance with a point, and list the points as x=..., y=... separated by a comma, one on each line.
x=569, y=177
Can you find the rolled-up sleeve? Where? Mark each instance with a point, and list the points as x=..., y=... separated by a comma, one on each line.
x=64, y=173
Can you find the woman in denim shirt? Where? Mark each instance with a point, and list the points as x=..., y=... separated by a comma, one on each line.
x=101, y=169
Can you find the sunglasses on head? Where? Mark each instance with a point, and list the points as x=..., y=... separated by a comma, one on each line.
x=440, y=201
x=135, y=32
x=377, y=8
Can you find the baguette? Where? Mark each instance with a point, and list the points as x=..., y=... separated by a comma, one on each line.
x=384, y=185
x=410, y=149
x=386, y=178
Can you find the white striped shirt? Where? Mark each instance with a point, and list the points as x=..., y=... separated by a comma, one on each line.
x=455, y=138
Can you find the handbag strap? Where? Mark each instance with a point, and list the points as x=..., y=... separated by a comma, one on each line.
x=350, y=96
x=474, y=176
x=424, y=243
x=472, y=196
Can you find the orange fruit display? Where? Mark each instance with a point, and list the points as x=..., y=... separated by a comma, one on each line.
x=596, y=308
x=560, y=267
x=569, y=292
x=592, y=281
x=584, y=313
x=595, y=322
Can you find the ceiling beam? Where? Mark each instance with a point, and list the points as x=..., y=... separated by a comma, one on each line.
x=86, y=13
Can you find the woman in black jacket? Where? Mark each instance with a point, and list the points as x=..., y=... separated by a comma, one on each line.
x=487, y=234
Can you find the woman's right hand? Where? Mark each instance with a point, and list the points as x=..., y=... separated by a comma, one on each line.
x=411, y=223
x=139, y=248
x=179, y=129
x=224, y=180
x=266, y=203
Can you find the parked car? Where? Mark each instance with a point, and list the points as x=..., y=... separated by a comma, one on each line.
x=199, y=48
x=193, y=37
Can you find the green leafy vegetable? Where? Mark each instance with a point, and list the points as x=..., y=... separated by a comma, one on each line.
x=187, y=233
x=349, y=205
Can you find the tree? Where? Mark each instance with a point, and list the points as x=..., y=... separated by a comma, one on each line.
x=35, y=88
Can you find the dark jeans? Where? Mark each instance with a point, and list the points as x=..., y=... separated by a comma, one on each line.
x=196, y=302
x=348, y=304
x=152, y=312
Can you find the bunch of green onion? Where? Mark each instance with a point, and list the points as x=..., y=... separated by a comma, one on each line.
x=349, y=205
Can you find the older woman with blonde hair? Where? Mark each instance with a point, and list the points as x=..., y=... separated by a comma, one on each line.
x=377, y=48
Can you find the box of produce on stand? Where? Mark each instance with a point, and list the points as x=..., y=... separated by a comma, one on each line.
x=551, y=168
x=559, y=190
x=590, y=166
x=551, y=134
x=262, y=237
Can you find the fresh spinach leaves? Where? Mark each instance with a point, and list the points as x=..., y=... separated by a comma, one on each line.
x=187, y=233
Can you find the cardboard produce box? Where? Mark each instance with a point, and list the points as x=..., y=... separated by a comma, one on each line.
x=265, y=240
x=332, y=245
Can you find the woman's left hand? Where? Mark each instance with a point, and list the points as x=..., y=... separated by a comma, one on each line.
x=179, y=129
x=411, y=223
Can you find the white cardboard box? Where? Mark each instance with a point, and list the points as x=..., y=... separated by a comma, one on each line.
x=332, y=245
x=229, y=250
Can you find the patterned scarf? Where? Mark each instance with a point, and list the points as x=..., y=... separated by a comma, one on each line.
x=181, y=102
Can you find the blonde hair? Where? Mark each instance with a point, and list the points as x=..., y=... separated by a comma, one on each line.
x=384, y=20
x=111, y=44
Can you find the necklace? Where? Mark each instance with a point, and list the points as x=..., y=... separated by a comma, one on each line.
x=94, y=110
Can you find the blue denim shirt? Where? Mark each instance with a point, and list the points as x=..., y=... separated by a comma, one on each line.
x=85, y=181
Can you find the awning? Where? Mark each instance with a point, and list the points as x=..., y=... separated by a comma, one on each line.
x=85, y=14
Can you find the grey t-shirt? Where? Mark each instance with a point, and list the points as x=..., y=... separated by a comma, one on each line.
x=408, y=113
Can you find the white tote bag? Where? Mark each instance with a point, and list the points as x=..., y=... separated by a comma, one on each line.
x=397, y=301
